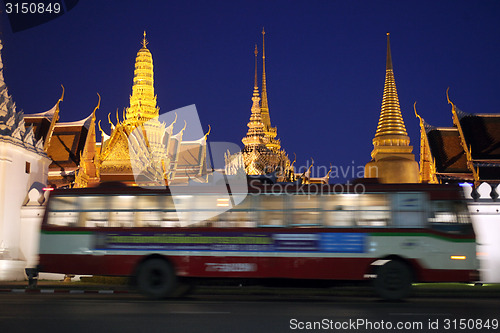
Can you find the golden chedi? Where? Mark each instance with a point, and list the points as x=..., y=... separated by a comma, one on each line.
x=392, y=157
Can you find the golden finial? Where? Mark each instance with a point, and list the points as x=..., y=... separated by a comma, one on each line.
x=209, y=129
x=255, y=81
x=328, y=174
x=98, y=104
x=62, y=95
x=448, y=96
x=415, y=109
x=144, y=40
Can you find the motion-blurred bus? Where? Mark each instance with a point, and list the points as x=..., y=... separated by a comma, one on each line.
x=391, y=235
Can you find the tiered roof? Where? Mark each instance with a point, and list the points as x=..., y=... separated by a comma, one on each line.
x=468, y=151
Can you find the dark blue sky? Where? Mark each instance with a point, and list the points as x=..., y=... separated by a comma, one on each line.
x=325, y=65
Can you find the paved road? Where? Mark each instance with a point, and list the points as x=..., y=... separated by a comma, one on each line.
x=242, y=313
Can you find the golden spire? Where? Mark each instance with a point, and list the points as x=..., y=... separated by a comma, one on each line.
x=392, y=157
x=255, y=86
x=427, y=163
x=255, y=135
x=270, y=132
x=390, y=125
x=143, y=100
x=263, y=105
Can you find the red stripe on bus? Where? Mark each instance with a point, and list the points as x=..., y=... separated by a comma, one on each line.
x=242, y=267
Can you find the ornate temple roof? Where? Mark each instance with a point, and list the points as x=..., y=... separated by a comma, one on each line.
x=481, y=135
x=447, y=150
x=141, y=148
x=67, y=143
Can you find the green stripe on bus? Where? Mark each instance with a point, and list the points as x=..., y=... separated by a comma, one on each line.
x=66, y=232
x=423, y=234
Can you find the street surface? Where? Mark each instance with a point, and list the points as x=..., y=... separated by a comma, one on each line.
x=264, y=312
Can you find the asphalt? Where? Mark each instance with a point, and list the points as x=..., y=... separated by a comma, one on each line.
x=109, y=285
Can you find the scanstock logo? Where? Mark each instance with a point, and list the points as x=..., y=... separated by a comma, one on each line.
x=173, y=146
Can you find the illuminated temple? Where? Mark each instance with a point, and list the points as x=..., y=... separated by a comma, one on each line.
x=139, y=150
x=262, y=153
x=392, y=157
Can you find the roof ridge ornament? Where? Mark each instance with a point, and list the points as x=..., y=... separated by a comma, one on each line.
x=448, y=96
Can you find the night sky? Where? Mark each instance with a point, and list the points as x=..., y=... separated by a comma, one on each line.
x=325, y=65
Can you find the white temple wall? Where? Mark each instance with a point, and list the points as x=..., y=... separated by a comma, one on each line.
x=485, y=215
x=16, y=179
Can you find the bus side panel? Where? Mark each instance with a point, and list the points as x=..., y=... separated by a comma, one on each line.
x=293, y=267
x=83, y=264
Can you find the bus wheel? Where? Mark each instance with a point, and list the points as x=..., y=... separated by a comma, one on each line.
x=156, y=279
x=393, y=281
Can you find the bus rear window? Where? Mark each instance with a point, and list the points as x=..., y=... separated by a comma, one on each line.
x=61, y=211
x=450, y=216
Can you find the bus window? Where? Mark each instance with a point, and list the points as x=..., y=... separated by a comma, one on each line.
x=168, y=213
x=241, y=215
x=94, y=211
x=62, y=203
x=271, y=210
x=148, y=211
x=122, y=211
x=182, y=207
x=206, y=208
x=374, y=210
x=305, y=210
x=450, y=216
x=339, y=210
x=62, y=211
x=442, y=211
x=462, y=212
x=409, y=209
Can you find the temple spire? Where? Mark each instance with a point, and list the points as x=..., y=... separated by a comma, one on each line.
x=263, y=104
x=392, y=157
x=255, y=138
x=143, y=100
x=270, y=132
x=391, y=120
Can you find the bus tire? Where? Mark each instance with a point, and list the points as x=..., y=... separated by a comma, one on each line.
x=156, y=278
x=393, y=281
